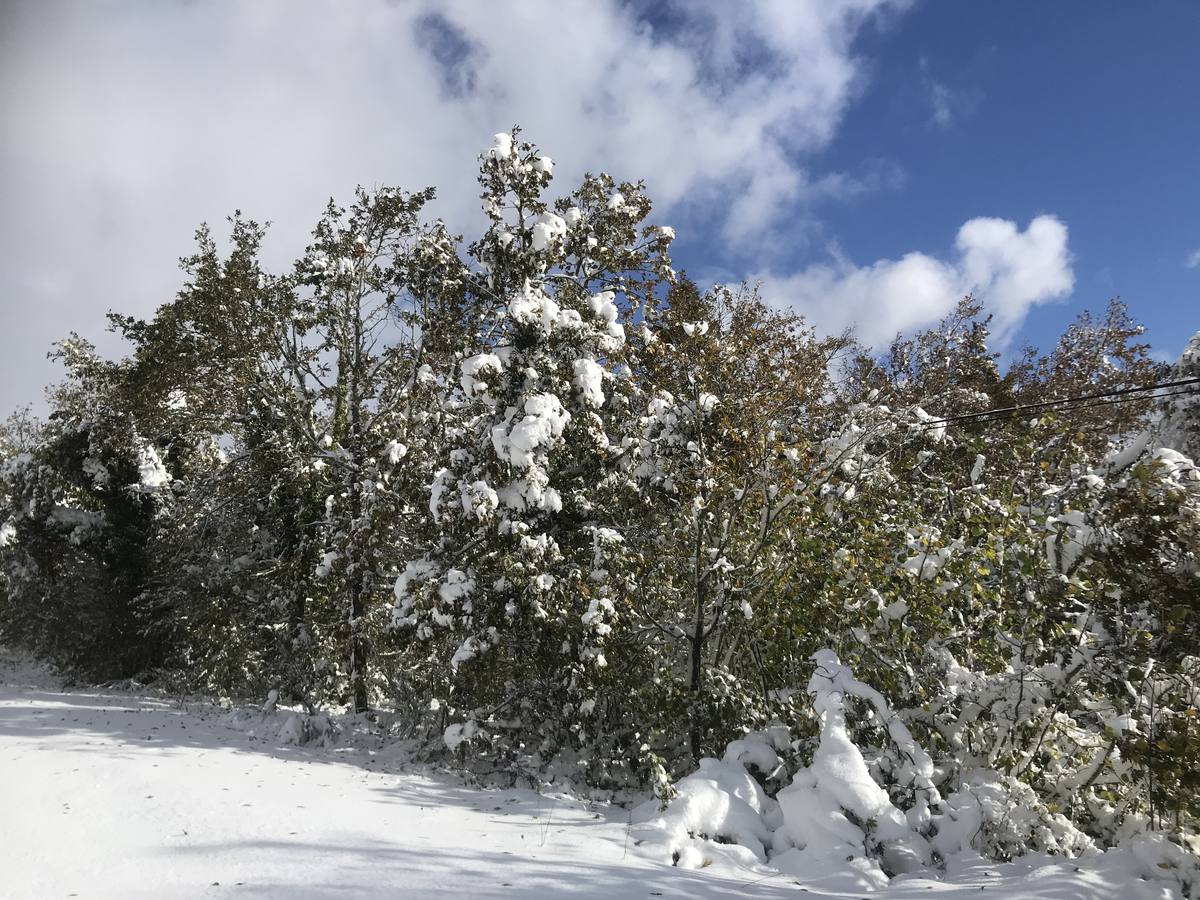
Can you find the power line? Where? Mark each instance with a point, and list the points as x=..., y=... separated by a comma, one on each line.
x=1118, y=392
x=1113, y=402
x=1066, y=401
x=1069, y=408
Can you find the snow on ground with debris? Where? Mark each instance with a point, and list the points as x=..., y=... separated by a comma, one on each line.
x=110, y=793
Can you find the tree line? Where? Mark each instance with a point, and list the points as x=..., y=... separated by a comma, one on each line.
x=542, y=500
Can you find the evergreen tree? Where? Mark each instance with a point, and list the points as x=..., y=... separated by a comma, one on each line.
x=520, y=582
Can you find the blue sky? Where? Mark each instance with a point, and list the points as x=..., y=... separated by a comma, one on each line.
x=1086, y=110
x=867, y=160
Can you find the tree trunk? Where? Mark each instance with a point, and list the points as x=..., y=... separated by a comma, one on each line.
x=358, y=648
x=358, y=565
x=696, y=678
x=356, y=571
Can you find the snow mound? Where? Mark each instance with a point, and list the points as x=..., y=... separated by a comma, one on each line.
x=835, y=828
x=720, y=809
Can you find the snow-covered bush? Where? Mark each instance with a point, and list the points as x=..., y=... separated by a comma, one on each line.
x=722, y=807
x=833, y=822
x=1002, y=817
x=843, y=823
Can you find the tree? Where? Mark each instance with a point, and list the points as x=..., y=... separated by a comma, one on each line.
x=519, y=580
x=308, y=376
x=83, y=502
x=733, y=393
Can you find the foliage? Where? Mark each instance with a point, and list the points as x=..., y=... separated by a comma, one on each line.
x=543, y=501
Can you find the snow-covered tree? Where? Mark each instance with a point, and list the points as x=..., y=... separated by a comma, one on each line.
x=303, y=383
x=82, y=502
x=730, y=393
x=520, y=582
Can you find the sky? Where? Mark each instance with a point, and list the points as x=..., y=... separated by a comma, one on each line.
x=869, y=161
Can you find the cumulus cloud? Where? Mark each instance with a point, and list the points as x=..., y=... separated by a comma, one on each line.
x=126, y=124
x=1193, y=259
x=1008, y=269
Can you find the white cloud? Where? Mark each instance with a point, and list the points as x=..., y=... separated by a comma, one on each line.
x=128, y=124
x=947, y=105
x=1009, y=270
x=940, y=103
x=1193, y=259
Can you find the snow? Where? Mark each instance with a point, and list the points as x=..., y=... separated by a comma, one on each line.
x=475, y=370
x=436, y=489
x=818, y=803
x=589, y=380
x=502, y=146
x=458, y=733
x=80, y=521
x=548, y=229
x=933, y=426
x=719, y=801
x=926, y=564
x=479, y=500
x=394, y=452
x=532, y=306
x=152, y=475
x=834, y=828
x=122, y=794
x=603, y=306
x=415, y=573
x=325, y=566
x=1120, y=724
x=467, y=651
x=977, y=468
x=456, y=586
x=1173, y=463
x=541, y=425
x=96, y=470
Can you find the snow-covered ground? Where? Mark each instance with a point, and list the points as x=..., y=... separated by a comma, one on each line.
x=114, y=794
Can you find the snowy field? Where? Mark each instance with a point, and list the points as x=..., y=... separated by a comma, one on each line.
x=114, y=794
